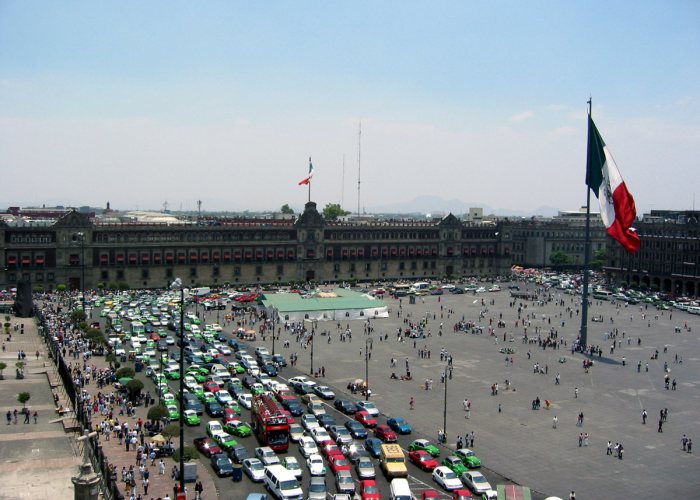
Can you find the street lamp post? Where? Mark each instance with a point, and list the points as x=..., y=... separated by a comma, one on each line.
x=272, y=314
x=177, y=284
x=448, y=368
x=81, y=235
x=314, y=324
x=368, y=345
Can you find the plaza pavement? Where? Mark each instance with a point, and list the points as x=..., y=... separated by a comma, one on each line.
x=520, y=443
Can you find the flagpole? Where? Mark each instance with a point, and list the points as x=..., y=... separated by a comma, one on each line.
x=309, y=181
x=587, y=246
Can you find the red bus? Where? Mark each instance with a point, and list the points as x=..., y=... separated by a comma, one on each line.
x=269, y=423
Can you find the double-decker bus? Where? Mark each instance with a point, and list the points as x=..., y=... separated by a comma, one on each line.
x=269, y=423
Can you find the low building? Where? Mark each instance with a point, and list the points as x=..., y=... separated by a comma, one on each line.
x=338, y=305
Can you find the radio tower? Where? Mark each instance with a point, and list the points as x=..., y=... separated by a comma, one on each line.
x=359, y=156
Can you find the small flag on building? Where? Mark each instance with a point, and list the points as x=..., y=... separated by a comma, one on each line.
x=617, y=208
x=311, y=174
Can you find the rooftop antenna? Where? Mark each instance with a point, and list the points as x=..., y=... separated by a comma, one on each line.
x=359, y=163
x=342, y=188
x=165, y=206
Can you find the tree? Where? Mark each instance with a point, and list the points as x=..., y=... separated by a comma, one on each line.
x=134, y=387
x=623, y=284
x=78, y=316
x=644, y=286
x=170, y=431
x=95, y=334
x=286, y=210
x=2, y=367
x=333, y=211
x=559, y=258
x=23, y=397
x=191, y=453
x=159, y=412
x=654, y=287
x=37, y=289
x=124, y=286
x=100, y=286
x=601, y=254
x=125, y=372
x=61, y=288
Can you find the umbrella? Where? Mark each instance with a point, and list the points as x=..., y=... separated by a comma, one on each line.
x=251, y=332
x=125, y=380
x=241, y=330
x=358, y=381
x=159, y=438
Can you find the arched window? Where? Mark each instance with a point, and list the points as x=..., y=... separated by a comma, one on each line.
x=286, y=317
x=306, y=316
x=362, y=313
x=347, y=314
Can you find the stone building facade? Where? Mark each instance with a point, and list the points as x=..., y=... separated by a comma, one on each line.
x=78, y=252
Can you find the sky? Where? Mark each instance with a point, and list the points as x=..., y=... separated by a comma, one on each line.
x=138, y=103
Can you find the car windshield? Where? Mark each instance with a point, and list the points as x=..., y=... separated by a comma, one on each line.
x=317, y=487
x=290, y=484
x=479, y=479
x=450, y=475
x=368, y=405
x=371, y=489
x=364, y=463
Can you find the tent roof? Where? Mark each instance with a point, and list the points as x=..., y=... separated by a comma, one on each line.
x=344, y=299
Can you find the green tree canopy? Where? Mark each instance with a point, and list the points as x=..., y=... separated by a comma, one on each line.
x=601, y=254
x=134, y=387
x=78, y=316
x=61, y=288
x=286, y=210
x=159, y=412
x=171, y=431
x=125, y=372
x=559, y=258
x=333, y=211
x=191, y=453
x=23, y=397
x=2, y=367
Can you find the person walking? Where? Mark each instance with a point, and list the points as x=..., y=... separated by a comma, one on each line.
x=661, y=424
x=690, y=446
x=145, y=484
x=9, y=417
x=644, y=417
x=26, y=417
x=576, y=392
x=684, y=442
x=557, y=379
x=554, y=422
x=36, y=417
x=610, y=448
x=411, y=403
x=198, y=489
x=580, y=439
x=585, y=440
x=471, y=440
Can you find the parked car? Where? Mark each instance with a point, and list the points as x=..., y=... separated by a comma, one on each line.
x=207, y=446
x=254, y=468
x=446, y=478
x=345, y=406
x=222, y=465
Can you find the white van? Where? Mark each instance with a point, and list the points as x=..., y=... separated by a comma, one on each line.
x=221, y=372
x=135, y=343
x=694, y=310
x=400, y=489
x=282, y=483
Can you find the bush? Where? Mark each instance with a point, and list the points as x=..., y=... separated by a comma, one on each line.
x=623, y=284
x=100, y=286
x=124, y=286
x=111, y=358
x=23, y=397
x=191, y=453
x=134, y=387
x=2, y=367
x=644, y=286
x=159, y=412
x=125, y=372
x=171, y=431
x=78, y=316
x=61, y=288
x=654, y=287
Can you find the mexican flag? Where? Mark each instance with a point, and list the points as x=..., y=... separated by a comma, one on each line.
x=311, y=174
x=617, y=207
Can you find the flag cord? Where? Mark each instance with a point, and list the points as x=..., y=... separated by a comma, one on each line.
x=586, y=254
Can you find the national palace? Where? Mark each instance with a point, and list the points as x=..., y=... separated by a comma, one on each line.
x=82, y=251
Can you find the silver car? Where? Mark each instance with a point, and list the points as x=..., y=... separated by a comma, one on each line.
x=317, y=488
x=254, y=468
x=476, y=482
x=364, y=468
x=340, y=434
x=344, y=482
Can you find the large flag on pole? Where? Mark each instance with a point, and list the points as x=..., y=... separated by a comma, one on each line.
x=617, y=208
x=311, y=174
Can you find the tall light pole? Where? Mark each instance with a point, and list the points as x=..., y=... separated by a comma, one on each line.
x=272, y=314
x=368, y=345
x=314, y=323
x=81, y=235
x=448, y=368
x=177, y=285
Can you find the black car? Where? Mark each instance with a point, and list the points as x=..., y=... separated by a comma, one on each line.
x=356, y=429
x=162, y=345
x=237, y=453
x=148, y=329
x=458, y=291
x=221, y=465
x=294, y=407
x=214, y=409
x=279, y=359
x=513, y=287
x=240, y=346
x=326, y=420
x=345, y=406
x=269, y=369
x=248, y=381
x=234, y=390
x=175, y=355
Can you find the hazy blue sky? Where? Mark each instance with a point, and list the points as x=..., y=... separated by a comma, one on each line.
x=224, y=101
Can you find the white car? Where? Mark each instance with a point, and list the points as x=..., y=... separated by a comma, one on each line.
x=476, y=482
x=319, y=434
x=254, y=468
x=309, y=422
x=225, y=350
x=368, y=407
x=214, y=427
x=296, y=432
x=291, y=464
x=481, y=290
x=449, y=286
x=315, y=465
x=446, y=478
x=316, y=409
x=246, y=400
x=267, y=455
x=307, y=446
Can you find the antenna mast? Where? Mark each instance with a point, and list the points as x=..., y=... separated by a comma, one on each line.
x=342, y=188
x=359, y=156
x=199, y=208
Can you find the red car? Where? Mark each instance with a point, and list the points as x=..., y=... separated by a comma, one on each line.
x=423, y=459
x=461, y=494
x=290, y=418
x=329, y=448
x=207, y=446
x=212, y=387
x=155, y=336
x=365, y=419
x=230, y=415
x=385, y=433
x=338, y=462
x=369, y=490
x=429, y=495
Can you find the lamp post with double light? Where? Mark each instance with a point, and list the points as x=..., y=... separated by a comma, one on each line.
x=368, y=346
x=448, y=368
x=177, y=285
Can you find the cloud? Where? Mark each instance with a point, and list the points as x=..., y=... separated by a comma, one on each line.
x=520, y=117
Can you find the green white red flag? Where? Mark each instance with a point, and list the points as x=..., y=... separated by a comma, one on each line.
x=311, y=174
x=617, y=208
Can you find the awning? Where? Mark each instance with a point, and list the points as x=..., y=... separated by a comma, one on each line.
x=310, y=254
x=491, y=250
x=473, y=251
x=237, y=255
x=290, y=254
x=132, y=257
x=193, y=256
x=169, y=257
x=205, y=256
x=329, y=254
x=507, y=251
x=145, y=257
x=393, y=252
x=26, y=260
x=419, y=252
x=258, y=255
x=410, y=252
x=181, y=257
x=450, y=251
x=103, y=258
x=270, y=254
x=157, y=257
x=466, y=251
x=385, y=252
x=120, y=258
x=434, y=251
x=352, y=253
x=249, y=255
x=345, y=253
x=375, y=252
x=483, y=251
x=280, y=254
x=40, y=259
x=402, y=252
x=227, y=255
x=12, y=261
x=361, y=252
x=217, y=256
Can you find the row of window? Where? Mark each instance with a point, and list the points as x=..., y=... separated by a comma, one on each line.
x=24, y=260
x=193, y=257
x=393, y=253
x=193, y=236
x=38, y=277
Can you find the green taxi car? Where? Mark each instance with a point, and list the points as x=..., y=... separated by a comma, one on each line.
x=425, y=445
x=455, y=464
x=224, y=439
x=234, y=406
x=207, y=397
x=236, y=368
x=173, y=412
x=468, y=457
x=196, y=320
x=191, y=418
x=237, y=428
x=172, y=375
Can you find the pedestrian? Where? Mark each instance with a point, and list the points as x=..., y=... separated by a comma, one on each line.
x=690, y=446
x=471, y=440
x=554, y=422
x=610, y=448
x=9, y=417
x=576, y=392
x=26, y=416
x=661, y=424
x=499, y=408
x=411, y=403
x=145, y=484
x=572, y=496
x=36, y=417
x=556, y=380
x=585, y=440
x=684, y=442
x=198, y=489
x=644, y=417
x=580, y=439
x=162, y=467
